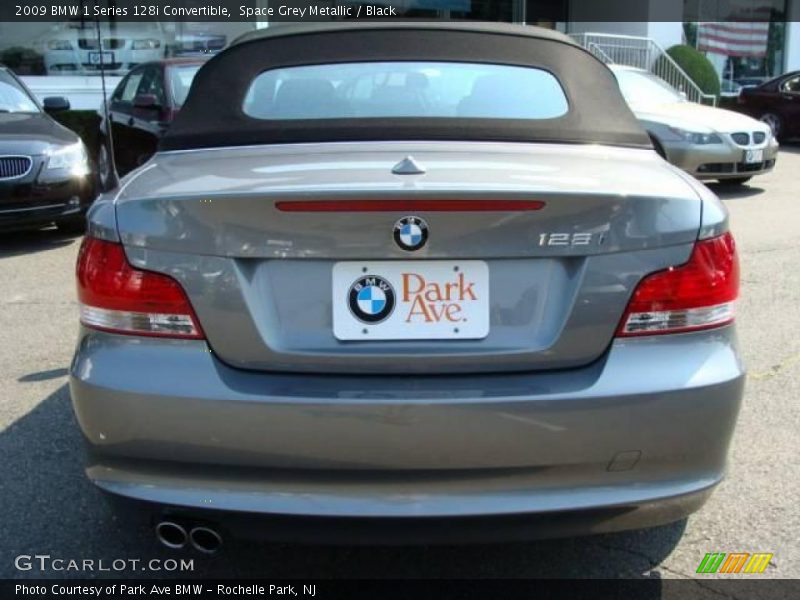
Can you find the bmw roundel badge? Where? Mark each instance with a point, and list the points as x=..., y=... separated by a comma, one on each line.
x=411, y=233
x=371, y=299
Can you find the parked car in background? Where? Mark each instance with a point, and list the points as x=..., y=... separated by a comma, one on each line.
x=776, y=103
x=707, y=142
x=729, y=88
x=72, y=47
x=196, y=43
x=141, y=109
x=749, y=82
x=407, y=281
x=44, y=169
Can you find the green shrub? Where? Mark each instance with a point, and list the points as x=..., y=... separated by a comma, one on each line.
x=729, y=102
x=697, y=67
x=86, y=123
x=23, y=61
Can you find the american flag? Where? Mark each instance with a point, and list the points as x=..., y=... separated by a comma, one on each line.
x=733, y=38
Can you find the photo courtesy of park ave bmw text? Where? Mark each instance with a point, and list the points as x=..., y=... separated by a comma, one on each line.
x=394, y=298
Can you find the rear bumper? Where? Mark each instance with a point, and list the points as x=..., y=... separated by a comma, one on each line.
x=417, y=530
x=637, y=438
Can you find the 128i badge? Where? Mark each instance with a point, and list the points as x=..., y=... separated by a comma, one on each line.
x=411, y=233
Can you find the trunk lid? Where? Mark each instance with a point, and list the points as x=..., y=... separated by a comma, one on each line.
x=263, y=280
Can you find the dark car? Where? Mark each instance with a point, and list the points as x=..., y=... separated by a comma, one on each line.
x=777, y=103
x=141, y=110
x=44, y=170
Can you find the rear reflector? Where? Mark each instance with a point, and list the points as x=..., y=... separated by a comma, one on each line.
x=408, y=205
x=116, y=297
x=699, y=294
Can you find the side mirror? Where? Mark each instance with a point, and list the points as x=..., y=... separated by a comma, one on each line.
x=146, y=101
x=55, y=104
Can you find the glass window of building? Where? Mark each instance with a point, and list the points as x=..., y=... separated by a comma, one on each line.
x=744, y=52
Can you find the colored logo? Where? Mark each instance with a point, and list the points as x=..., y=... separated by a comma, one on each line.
x=432, y=302
x=371, y=299
x=410, y=233
x=734, y=562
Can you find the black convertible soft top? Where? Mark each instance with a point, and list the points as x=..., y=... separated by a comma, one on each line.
x=213, y=115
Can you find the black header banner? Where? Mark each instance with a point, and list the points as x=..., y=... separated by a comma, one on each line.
x=530, y=11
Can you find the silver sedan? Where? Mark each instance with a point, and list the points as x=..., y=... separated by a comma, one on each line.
x=707, y=142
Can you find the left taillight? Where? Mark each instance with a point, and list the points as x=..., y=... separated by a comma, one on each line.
x=118, y=298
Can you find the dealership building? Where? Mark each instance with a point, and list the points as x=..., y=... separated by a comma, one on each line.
x=758, y=39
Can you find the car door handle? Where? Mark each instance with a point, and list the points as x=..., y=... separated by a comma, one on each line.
x=787, y=96
x=131, y=122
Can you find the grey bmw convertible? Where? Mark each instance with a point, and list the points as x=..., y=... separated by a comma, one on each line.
x=406, y=281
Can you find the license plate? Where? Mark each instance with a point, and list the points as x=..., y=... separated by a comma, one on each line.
x=411, y=300
x=753, y=156
x=107, y=58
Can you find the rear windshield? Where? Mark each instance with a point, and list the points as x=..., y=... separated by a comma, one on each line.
x=405, y=89
x=181, y=80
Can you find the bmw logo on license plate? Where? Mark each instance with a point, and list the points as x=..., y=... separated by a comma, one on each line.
x=411, y=233
x=371, y=299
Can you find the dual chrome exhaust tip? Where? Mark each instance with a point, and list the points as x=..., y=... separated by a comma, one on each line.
x=177, y=537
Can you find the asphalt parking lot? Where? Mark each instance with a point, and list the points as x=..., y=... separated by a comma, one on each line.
x=48, y=507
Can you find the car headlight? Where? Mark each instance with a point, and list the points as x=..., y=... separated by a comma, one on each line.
x=696, y=137
x=148, y=44
x=59, y=45
x=72, y=158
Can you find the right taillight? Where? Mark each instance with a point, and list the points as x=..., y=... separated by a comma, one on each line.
x=116, y=297
x=699, y=294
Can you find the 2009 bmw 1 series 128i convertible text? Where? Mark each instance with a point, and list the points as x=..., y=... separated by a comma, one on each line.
x=421, y=280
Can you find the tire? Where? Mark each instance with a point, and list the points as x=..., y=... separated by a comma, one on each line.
x=72, y=225
x=775, y=124
x=102, y=166
x=735, y=181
